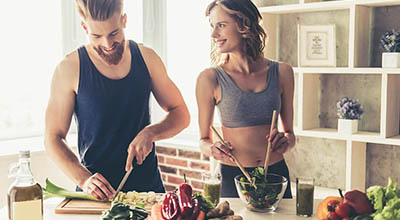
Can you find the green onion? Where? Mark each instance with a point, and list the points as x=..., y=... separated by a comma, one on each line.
x=52, y=190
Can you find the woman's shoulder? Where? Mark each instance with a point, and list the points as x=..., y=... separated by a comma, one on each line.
x=208, y=75
x=285, y=69
x=286, y=76
x=207, y=79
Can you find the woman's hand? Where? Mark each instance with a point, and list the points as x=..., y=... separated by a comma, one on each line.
x=279, y=141
x=222, y=151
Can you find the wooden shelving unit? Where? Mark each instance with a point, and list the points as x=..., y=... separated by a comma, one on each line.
x=360, y=12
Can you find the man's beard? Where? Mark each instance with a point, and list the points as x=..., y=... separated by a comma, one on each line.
x=114, y=58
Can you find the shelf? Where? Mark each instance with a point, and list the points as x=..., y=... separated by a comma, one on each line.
x=393, y=140
x=307, y=7
x=358, y=73
x=325, y=6
x=329, y=133
x=377, y=3
x=369, y=137
x=361, y=136
x=391, y=70
x=344, y=70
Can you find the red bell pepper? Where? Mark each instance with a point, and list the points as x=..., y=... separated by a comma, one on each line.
x=185, y=200
x=170, y=209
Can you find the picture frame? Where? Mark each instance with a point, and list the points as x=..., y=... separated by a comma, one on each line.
x=317, y=45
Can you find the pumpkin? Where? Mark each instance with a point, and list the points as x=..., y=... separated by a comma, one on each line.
x=323, y=207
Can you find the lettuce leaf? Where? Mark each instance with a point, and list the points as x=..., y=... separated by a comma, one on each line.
x=386, y=201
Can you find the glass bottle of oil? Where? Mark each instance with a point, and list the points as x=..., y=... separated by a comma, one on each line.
x=25, y=197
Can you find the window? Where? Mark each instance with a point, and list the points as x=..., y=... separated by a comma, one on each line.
x=35, y=38
x=188, y=53
x=31, y=47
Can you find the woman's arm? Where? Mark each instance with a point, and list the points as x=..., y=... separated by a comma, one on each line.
x=206, y=87
x=286, y=140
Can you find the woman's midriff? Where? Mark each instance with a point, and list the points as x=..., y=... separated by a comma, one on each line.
x=250, y=145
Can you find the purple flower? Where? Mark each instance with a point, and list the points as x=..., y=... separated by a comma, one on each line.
x=349, y=109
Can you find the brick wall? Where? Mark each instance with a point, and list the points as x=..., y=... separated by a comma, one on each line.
x=175, y=162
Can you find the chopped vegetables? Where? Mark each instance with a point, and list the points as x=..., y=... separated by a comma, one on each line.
x=119, y=211
x=143, y=199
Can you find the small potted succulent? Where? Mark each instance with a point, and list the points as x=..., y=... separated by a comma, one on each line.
x=349, y=112
x=391, y=46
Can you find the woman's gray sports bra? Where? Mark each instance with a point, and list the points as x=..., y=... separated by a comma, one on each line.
x=238, y=108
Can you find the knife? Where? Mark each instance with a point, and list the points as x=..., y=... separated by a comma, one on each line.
x=122, y=183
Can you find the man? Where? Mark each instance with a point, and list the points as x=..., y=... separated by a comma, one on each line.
x=106, y=85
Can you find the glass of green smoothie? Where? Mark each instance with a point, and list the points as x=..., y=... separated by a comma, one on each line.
x=212, y=187
x=304, y=196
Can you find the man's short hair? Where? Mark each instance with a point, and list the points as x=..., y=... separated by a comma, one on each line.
x=99, y=10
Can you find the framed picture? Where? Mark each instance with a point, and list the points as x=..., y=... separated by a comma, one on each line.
x=316, y=45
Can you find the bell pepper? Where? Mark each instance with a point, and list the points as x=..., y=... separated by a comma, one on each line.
x=170, y=209
x=185, y=200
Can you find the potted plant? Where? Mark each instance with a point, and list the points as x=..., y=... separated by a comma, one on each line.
x=349, y=112
x=391, y=45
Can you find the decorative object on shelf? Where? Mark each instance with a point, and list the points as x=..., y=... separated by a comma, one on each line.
x=349, y=112
x=391, y=45
x=317, y=45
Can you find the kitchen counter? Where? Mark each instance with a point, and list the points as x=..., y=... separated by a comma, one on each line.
x=286, y=211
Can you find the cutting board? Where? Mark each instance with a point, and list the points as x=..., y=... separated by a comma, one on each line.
x=79, y=206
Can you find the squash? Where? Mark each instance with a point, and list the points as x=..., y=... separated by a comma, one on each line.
x=322, y=212
x=156, y=212
x=201, y=215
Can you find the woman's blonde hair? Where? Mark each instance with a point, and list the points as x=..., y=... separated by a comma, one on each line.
x=248, y=19
x=99, y=10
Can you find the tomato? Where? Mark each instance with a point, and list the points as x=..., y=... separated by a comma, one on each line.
x=333, y=216
x=332, y=204
x=343, y=210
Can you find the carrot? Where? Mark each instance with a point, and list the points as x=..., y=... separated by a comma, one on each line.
x=201, y=215
x=156, y=212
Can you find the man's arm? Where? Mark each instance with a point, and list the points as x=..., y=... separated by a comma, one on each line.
x=170, y=99
x=58, y=119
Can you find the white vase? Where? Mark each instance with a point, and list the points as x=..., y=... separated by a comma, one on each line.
x=347, y=126
x=391, y=60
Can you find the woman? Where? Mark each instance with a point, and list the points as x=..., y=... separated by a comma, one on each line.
x=246, y=88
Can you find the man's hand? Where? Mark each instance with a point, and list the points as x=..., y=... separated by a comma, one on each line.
x=279, y=141
x=97, y=186
x=139, y=148
x=222, y=151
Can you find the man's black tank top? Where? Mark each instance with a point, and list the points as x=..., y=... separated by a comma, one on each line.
x=109, y=114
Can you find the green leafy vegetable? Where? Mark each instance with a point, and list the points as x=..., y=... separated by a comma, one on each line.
x=266, y=194
x=386, y=201
x=52, y=190
x=205, y=204
x=120, y=211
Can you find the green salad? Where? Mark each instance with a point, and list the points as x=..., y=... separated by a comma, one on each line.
x=266, y=194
